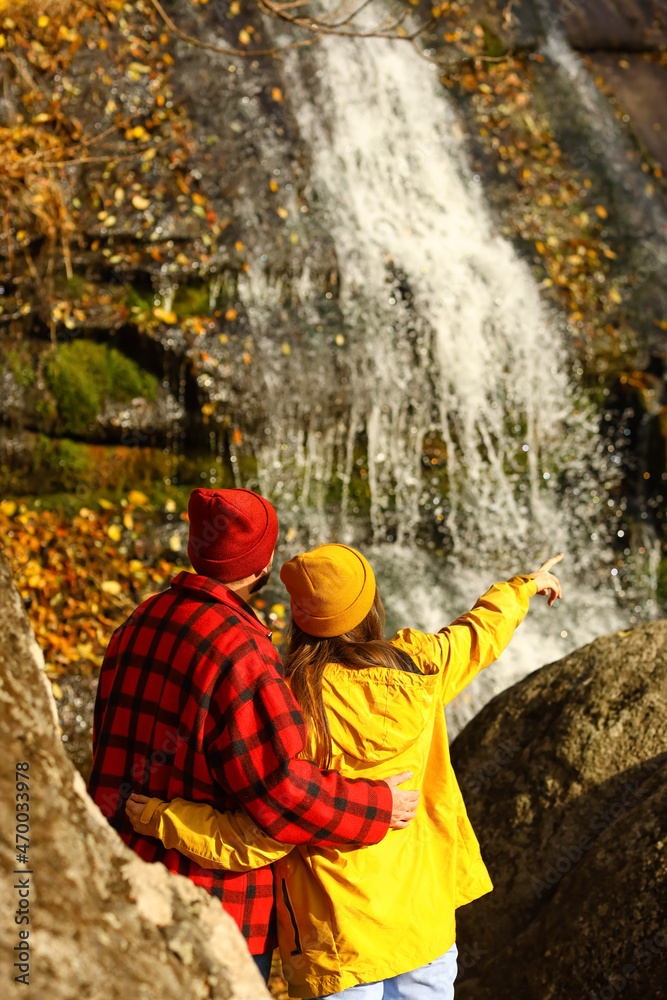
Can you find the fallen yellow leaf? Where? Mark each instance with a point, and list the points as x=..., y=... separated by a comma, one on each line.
x=166, y=315
x=138, y=498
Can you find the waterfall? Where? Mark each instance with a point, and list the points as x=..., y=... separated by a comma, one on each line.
x=433, y=341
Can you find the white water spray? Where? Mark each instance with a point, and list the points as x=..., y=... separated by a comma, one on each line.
x=445, y=336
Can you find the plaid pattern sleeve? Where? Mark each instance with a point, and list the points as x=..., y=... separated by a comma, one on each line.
x=256, y=735
x=191, y=704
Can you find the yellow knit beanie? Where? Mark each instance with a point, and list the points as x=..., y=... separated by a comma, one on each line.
x=331, y=589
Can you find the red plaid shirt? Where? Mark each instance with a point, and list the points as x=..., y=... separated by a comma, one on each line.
x=191, y=703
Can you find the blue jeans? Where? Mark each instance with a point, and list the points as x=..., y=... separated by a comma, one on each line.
x=434, y=981
x=263, y=963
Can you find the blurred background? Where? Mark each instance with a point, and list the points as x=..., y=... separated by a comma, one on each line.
x=399, y=267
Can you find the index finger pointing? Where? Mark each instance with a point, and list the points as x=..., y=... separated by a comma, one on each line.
x=552, y=562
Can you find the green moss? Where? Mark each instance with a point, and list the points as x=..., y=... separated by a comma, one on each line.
x=76, y=286
x=21, y=368
x=59, y=457
x=192, y=300
x=662, y=582
x=493, y=45
x=83, y=375
x=138, y=301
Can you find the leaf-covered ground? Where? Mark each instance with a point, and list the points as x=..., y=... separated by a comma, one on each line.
x=81, y=575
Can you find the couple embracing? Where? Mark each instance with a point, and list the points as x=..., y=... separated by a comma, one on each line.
x=277, y=788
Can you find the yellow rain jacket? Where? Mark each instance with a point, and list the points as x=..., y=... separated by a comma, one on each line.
x=351, y=915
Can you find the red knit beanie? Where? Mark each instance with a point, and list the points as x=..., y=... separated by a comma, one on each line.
x=232, y=533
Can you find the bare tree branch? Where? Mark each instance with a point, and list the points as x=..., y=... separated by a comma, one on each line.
x=389, y=27
x=211, y=47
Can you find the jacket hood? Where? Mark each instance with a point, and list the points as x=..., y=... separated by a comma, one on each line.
x=378, y=712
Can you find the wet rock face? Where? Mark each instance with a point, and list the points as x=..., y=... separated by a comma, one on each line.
x=628, y=26
x=639, y=82
x=565, y=781
x=102, y=923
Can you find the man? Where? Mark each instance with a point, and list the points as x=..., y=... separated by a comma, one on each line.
x=191, y=703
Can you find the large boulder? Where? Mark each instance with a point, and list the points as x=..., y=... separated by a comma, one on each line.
x=565, y=780
x=82, y=915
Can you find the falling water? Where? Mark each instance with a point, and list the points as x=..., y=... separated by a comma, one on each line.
x=442, y=338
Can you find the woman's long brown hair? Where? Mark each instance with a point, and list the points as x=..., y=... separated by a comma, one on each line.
x=307, y=658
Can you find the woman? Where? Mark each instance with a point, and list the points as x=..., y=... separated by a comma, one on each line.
x=381, y=915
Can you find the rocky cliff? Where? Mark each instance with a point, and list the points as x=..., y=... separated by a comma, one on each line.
x=565, y=781
x=82, y=915
x=185, y=233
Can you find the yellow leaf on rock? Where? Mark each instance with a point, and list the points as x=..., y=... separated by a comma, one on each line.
x=244, y=37
x=273, y=185
x=140, y=203
x=602, y=211
x=239, y=245
x=282, y=212
x=166, y=315
x=286, y=348
x=139, y=67
x=615, y=296
x=138, y=132
x=57, y=690
x=138, y=498
x=277, y=94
